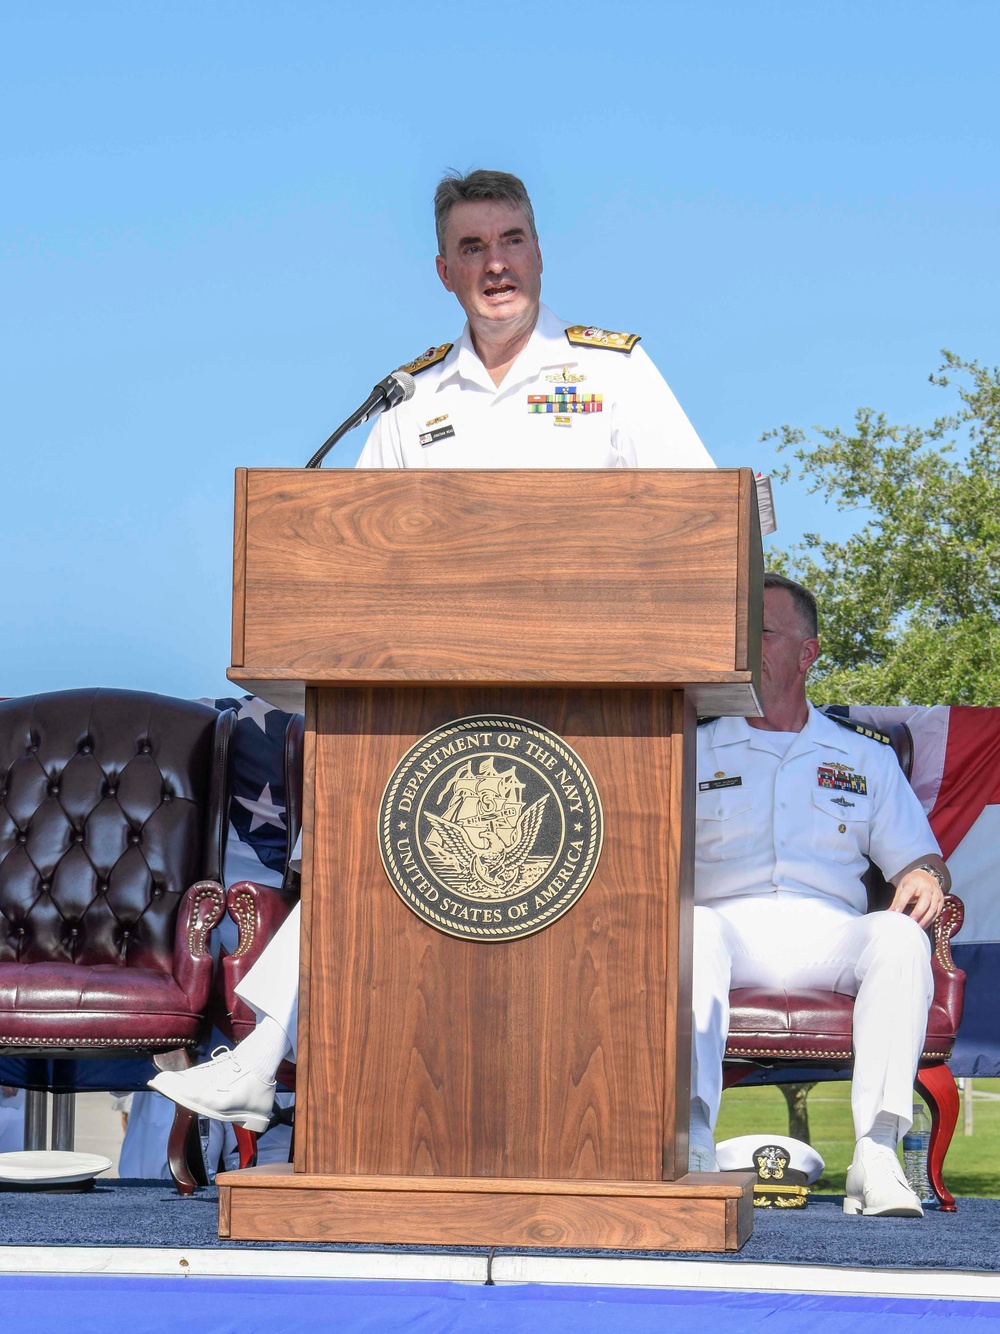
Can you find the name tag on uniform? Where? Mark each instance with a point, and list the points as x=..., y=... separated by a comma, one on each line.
x=713, y=783
x=432, y=437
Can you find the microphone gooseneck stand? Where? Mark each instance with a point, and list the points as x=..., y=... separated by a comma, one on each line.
x=396, y=388
x=355, y=419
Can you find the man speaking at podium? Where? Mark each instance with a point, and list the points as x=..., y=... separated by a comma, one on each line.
x=520, y=389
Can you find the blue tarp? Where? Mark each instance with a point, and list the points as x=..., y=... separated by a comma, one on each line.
x=97, y=1304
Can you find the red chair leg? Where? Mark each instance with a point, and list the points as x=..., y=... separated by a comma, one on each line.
x=246, y=1142
x=183, y=1145
x=177, y=1151
x=936, y=1084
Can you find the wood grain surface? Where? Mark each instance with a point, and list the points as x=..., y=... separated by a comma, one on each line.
x=546, y=1056
x=734, y=693
x=750, y=577
x=517, y=577
x=283, y=1176
x=678, y=939
x=710, y=1212
x=239, y=567
x=607, y=606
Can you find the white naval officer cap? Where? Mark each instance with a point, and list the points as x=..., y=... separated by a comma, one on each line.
x=785, y=1167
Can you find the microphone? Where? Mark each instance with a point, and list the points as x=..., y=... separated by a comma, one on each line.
x=396, y=388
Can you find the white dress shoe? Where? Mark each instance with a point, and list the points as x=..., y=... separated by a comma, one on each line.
x=701, y=1158
x=876, y=1185
x=223, y=1089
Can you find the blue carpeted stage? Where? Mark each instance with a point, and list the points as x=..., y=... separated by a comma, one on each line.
x=152, y=1214
x=81, y=1260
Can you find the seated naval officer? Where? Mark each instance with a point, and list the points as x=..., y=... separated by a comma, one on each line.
x=788, y=808
x=520, y=389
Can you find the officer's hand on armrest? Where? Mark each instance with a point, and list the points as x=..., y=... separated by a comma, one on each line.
x=920, y=890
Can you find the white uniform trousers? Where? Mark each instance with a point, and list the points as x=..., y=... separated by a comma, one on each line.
x=271, y=986
x=785, y=942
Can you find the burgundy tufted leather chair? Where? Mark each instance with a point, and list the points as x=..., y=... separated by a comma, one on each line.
x=113, y=810
x=813, y=1029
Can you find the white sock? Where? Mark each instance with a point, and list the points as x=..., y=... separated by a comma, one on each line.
x=884, y=1131
x=264, y=1049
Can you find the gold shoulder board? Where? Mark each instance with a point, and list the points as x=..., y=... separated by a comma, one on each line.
x=860, y=728
x=589, y=335
x=428, y=358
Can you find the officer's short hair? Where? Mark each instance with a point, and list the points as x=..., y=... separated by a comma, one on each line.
x=805, y=603
x=498, y=186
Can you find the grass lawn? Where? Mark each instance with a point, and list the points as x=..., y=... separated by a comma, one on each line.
x=971, y=1168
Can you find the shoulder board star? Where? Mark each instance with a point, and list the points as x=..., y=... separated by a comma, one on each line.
x=860, y=728
x=428, y=358
x=589, y=335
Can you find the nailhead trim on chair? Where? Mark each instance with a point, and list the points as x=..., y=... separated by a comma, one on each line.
x=770, y=1051
x=97, y=1042
x=944, y=928
x=754, y=1052
x=244, y=911
x=200, y=927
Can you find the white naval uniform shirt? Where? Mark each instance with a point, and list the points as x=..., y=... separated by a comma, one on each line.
x=468, y=422
x=802, y=822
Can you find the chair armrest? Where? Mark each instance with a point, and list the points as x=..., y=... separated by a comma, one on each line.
x=949, y=981
x=948, y=924
x=258, y=911
x=200, y=912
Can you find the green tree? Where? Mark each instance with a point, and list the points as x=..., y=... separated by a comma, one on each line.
x=910, y=603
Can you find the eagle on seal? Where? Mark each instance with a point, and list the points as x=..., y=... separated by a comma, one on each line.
x=495, y=874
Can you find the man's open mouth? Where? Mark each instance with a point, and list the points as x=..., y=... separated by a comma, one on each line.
x=499, y=289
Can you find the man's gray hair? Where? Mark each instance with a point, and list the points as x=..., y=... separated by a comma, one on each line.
x=498, y=186
x=805, y=603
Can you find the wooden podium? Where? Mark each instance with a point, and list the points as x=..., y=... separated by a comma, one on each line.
x=503, y=1092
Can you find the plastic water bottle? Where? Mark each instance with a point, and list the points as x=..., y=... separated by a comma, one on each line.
x=915, y=1144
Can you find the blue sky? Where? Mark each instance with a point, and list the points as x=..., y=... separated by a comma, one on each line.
x=217, y=236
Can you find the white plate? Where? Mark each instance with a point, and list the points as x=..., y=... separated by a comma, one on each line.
x=52, y=1167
